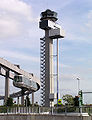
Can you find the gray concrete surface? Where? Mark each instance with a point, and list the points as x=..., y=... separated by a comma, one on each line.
x=42, y=117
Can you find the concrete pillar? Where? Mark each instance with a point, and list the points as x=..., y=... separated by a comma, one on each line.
x=51, y=76
x=18, y=100
x=22, y=97
x=49, y=81
x=22, y=100
x=6, y=86
x=33, y=99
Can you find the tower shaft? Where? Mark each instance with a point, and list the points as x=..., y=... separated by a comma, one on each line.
x=52, y=31
x=47, y=68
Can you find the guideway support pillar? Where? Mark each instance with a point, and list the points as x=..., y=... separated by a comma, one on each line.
x=18, y=100
x=22, y=97
x=6, y=86
x=33, y=99
x=22, y=100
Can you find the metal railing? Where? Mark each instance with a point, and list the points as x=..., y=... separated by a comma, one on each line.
x=46, y=110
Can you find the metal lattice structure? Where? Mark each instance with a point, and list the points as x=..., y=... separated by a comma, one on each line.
x=42, y=70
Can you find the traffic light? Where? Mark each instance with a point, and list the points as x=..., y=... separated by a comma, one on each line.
x=80, y=98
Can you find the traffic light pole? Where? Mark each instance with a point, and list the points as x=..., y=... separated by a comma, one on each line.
x=57, y=74
x=80, y=100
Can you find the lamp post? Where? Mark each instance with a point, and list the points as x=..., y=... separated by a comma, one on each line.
x=78, y=84
x=80, y=96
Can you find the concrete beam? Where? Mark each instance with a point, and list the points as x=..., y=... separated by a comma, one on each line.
x=3, y=73
x=4, y=64
x=14, y=68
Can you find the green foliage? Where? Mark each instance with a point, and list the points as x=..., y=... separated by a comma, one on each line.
x=76, y=101
x=36, y=104
x=60, y=110
x=3, y=109
x=70, y=109
x=58, y=105
x=9, y=102
x=68, y=99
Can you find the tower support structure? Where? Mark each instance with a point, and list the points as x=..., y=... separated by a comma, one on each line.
x=52, y=31
x=6, y=86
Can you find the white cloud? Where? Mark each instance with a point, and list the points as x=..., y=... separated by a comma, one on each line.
x=13, y=14
x=68, y=77
x=65, y=66
x=89, y=22
x=8, y=27
x=77, y=38
x=19, y=56
x=66, y=3
x=15, y=7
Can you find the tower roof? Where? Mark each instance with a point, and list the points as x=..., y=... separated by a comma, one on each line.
x=48, y=14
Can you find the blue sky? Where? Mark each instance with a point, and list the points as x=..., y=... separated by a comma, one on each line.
x=20, y=39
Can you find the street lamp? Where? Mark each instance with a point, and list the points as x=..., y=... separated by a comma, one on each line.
x=78, y=84
x=80, y=96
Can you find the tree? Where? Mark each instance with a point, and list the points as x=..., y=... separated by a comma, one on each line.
x=36, y=104
x=55, y=105
x=9, y=102
x=68, y=99
x=76, y=101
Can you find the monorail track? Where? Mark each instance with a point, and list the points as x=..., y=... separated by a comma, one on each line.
x=9, y=70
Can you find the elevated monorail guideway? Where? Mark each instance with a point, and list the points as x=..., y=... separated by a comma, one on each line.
x=17, y=94
x=29, y=83
x=11, y=67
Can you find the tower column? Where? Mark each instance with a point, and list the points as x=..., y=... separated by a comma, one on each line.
x=49, y=82
x=6, y=86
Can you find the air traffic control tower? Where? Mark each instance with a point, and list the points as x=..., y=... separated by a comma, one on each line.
x=52, y=31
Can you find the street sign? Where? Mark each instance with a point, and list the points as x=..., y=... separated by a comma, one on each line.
x=59, y=101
